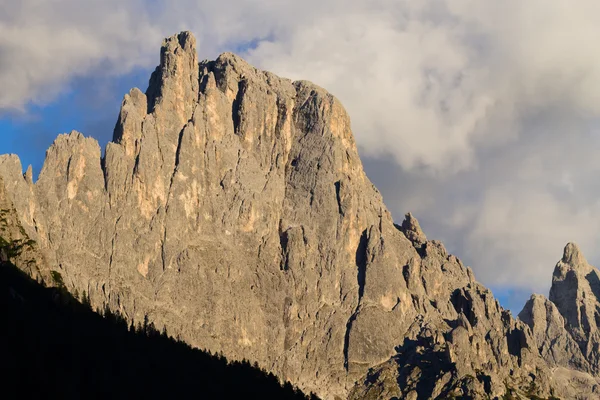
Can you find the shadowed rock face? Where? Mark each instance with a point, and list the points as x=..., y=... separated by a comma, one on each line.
x=232, y=208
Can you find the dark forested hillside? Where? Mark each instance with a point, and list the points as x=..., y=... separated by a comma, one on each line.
x=54, y=346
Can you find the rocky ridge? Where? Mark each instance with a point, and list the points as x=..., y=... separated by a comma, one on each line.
x=565, y=326
x=232, y=209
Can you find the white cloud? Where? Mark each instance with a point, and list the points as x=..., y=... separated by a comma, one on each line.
x=485, y=110
x=44, y=44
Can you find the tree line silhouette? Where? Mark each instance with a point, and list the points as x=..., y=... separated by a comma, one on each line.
x=53, y=345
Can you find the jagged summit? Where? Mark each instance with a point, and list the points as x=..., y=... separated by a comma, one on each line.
x=232, y=209
x=236, y=62
x=552, y=339
x=572, y=255
x=412, y=230
x=576, y=292
x=175, y=80
x=186, y=39
x=566, y=326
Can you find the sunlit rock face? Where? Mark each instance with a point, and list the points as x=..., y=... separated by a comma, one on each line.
x=232, y=209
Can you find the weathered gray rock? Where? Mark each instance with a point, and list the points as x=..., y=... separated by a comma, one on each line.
x=565, y=327
x=412, y=230
x=480, y=353
x=576, y=292
x=16, y=245
x=554, y=342
x=231, y=208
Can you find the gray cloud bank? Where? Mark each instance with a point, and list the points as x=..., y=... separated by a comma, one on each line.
x=481, y=117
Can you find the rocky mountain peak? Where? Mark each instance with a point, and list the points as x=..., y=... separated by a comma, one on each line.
x=554, y=342
x=412, y=230
x=29, y=175
x=173, y=86
x=573, y=281
x=237, y=64
x=572, y=256
x=232, y=210
x=566, y=326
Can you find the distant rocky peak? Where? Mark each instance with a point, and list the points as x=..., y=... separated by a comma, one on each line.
x=576, y=293
x=553, y=341
x=174, y=83
x=128, y=129
x=69, y=156
x=573, y=268
x=28, y=175
x=412, y=230
x=230, y=67
x=567, y=272
x=572, y=255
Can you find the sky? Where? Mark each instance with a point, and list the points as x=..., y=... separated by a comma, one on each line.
x=480, y=117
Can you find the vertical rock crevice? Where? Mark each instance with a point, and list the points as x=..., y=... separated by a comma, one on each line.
x=361, y=276
x=236, y=107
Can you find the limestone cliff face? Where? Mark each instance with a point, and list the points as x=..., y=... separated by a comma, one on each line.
x=231, y=208
x=17, y=246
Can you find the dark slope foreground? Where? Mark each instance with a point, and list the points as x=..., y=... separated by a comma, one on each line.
x=232, y=209
x=54, y=346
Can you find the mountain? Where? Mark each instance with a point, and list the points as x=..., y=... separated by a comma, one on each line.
x=232, y=209
x=565, y=326
x=54, y=346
